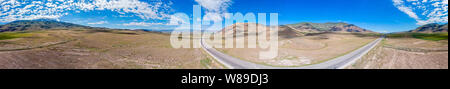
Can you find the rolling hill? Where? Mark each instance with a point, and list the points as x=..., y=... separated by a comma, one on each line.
x=327, y=27
x=431, y=28
x=41, y=24
x=301, y=29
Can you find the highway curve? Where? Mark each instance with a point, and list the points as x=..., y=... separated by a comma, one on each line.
x=337, y=63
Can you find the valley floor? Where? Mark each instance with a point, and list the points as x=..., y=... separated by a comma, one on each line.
x=99, y=49
x=406, y=53
x=304, y=50
x=117, y=49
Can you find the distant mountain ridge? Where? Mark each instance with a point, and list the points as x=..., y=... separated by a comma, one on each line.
x=327, y=27
x=295, y=30
x=38, y=24
x=291, y=29
x=431, y=28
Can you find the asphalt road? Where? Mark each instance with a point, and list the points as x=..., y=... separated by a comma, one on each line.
x=337, y=63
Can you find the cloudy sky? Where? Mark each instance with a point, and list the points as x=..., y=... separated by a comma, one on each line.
x=377, y=15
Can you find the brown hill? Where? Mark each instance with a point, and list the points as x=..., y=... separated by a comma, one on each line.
x=431, y=28
x=41, y=24
x=327, y=27
x=283, y=31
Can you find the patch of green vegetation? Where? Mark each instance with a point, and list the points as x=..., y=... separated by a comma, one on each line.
x=423, y=36
x=368, y=34
x=433, y=37
x=79, y=30
x=206, y=62
x=214, y=60
x=12, y=35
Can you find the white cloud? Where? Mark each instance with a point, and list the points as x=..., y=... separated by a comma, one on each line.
x=432, y=11
x=215, y=7
x=11, y=10
x=100, y=22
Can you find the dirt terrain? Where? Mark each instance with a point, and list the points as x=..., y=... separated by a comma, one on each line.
x=406, y=53
x=99, y=49
x=304, y=50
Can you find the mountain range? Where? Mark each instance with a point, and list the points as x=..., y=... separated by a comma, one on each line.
x=431, y=28
x=41, y=24
x=291, y=29
x=326, y=27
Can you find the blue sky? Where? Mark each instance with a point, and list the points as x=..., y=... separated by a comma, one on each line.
x=376, y=15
